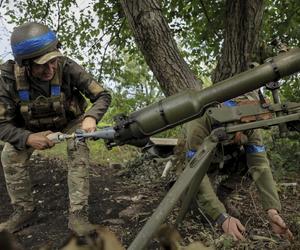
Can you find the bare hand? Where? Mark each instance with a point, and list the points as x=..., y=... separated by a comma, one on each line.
x=88, y=124
x=39, y=140
x=278, y=225
x=234, y=227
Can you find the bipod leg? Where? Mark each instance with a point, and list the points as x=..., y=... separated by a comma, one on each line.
x=203, y=163
x=206, y=151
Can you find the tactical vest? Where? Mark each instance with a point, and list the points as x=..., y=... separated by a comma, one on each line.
x=43, y=112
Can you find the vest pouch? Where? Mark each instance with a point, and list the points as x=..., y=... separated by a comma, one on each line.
x=44, y=113
x=43, y=107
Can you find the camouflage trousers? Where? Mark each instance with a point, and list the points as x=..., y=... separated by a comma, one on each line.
x=16, y=172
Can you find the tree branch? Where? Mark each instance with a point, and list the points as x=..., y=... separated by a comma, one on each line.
x=58, y=16
x=106, y=47
x=207, y=17
x=105, y=33
x=47, y=10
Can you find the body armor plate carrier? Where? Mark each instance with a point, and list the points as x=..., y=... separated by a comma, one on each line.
x=43, y=112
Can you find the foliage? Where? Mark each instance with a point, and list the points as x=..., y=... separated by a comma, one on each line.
x=98, y=28
x=291, y=89
x=98, y=153
x=133, y=88
x=197, y=25
x=97, y=35
x=284, y=153
x=282, y=20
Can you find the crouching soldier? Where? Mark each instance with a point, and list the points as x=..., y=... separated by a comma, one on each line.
x=245, y=156
x=40, y=93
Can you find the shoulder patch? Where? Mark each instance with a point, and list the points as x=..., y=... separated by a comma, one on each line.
x=95, y=88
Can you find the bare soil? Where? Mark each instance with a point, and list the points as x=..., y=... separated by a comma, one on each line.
x=123, y=202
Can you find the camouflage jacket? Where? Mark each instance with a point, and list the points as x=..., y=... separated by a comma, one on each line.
x=74, y=82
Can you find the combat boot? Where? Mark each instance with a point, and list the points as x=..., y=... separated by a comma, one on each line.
x=79, y=222
x=18, y=220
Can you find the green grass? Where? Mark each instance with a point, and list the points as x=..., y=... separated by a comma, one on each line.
x=98, y=152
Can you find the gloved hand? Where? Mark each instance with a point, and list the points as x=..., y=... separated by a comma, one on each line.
x=234, y=227
x=39, y=140
x=89, y=124
x=278, y=225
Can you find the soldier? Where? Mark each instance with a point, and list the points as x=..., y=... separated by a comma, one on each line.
x=257, y=165
x=40, y=93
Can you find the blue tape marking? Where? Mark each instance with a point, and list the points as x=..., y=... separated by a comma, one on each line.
x=33, y=44
x=24, y=95
x=230, y=103
x=250, y=149
x=55, y=90
x=190, y=154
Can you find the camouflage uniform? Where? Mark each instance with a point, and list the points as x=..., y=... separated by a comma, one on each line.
x=14, y=130
x=256, y=161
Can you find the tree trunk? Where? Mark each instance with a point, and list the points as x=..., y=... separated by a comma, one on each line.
x=154, y=38
x=241, y=37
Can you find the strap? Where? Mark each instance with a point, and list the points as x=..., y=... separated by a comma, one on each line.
x=262, y=98
x=22, y=83
x=21, y=79
x=56, y=82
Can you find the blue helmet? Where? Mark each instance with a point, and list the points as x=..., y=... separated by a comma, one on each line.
x=31, y=40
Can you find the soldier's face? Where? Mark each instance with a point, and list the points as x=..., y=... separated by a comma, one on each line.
x=44, y=72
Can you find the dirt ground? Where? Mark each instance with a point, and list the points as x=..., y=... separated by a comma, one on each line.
x=123, y=203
